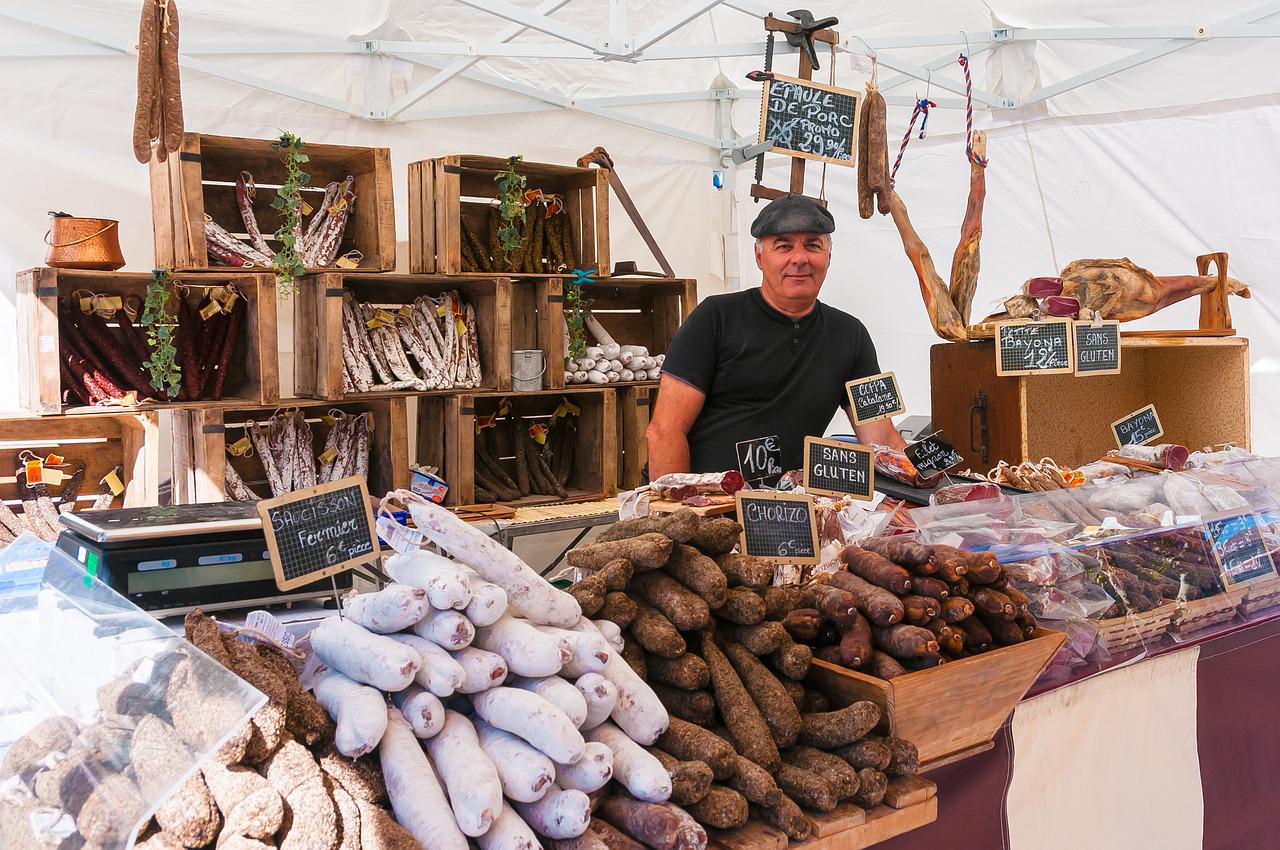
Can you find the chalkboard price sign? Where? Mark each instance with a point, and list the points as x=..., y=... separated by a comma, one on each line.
x=319, y=531
x=1097, y=348
x=778, y=527
x=833, y=468
x=1039, y=348
x=933, y=454
x=1138, y=428
x=760, y=461
x=1241, y=552
x=874, y=398
x=812, y=120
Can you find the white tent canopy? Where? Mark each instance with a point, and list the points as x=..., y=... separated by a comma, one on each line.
x=1140, y=129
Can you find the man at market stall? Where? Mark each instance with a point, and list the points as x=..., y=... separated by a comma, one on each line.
x=766, y=361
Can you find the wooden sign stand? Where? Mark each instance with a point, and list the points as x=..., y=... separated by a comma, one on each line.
x=772, y=24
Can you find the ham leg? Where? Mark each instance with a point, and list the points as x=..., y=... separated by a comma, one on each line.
x=967, y=259
x=946, y=320
x=1118, y=289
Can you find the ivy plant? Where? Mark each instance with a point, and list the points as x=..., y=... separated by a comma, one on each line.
x=511, y=207
x=161, y=327
x=575, y=315
x=288, y=260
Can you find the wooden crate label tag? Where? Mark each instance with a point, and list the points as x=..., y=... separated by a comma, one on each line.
x=1040, y=348
x=240, y=447
x=933, y=454
x=1238, y=547
x=319, y=531
x=113, y=482
x=760, y=461
x=833, y=468
x=54, y=477
x=327, y=456
x=1138, y=428
x=812, y=120
x=778, y=527
x=1097, y=348
x=874, y=398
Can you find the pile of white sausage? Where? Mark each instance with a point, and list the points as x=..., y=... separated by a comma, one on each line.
x=608, y=362
x=508, y=706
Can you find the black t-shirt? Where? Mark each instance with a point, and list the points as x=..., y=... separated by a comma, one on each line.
x=764, y=373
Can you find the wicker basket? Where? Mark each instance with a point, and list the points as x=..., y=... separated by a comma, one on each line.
x=1121, y=633
x=91, y=244
x=1259, y=595
x=1210, y=611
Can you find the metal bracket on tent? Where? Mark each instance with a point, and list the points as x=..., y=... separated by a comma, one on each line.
x=744, y=154
x=1004, y=34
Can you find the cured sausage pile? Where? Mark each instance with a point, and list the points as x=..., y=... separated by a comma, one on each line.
x=706, y=629
x=318, y=239
x=542, y=470
x=429, y=345
x=546, y=245
x=285, y=448
x=40, y=508
x=899, y=606
x=103, y=346
x=277, y=782
x=509, y=706
x=608, y=362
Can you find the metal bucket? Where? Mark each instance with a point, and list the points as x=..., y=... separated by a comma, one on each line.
x=527, y=369
x=82, y=243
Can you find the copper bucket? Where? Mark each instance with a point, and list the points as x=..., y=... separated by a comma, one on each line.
x=83, y=243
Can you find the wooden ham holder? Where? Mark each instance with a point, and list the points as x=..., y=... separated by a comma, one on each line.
x=826, y=36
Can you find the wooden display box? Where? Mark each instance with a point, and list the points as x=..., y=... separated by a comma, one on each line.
x=253, y=376
x=635, y=407
x=201, y=437
x=446, y=190
x=199, y=179
x=1199, y=385
x=317, y=325
x=595, y=467
x=636, y=311
x=99, y=443
x=947, y=711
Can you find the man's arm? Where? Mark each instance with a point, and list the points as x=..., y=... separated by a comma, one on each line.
x=668, y=434
x=879, y=433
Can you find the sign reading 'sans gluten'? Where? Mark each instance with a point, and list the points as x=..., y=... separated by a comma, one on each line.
x=1240, y=550
x=833, y=468
x=760, y=461
x=319, y=531
x=812, y=120
x=1097, y=348
x=874, y=398
x=933, y=454
x=777, y=527
x=1138, y=428
x=1034, y=348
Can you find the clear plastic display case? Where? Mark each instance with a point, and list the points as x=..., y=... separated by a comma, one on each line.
x=104, y=712
x=1132, y=562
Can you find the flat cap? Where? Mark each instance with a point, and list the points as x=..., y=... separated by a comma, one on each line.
x=792, y=213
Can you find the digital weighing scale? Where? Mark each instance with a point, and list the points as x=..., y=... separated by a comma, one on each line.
x=170, y=560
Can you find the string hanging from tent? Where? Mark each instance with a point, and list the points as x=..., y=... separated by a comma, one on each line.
x=922, y=108
x=968, y=115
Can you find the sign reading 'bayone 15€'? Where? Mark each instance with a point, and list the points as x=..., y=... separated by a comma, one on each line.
x=874, y=398
x=833, y=468
x=1138, y=428
x=778, y=527
x=319, y=531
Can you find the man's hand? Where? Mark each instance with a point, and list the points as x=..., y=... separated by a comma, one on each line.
x=879, y=433
x=668, y=434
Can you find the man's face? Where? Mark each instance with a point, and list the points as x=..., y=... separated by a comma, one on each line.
x=794, y=265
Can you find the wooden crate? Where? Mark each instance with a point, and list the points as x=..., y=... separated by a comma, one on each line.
x=317, y=325
x=1140, y=629
x=199, y=180
x=201, y=437
x=1200, y=387
x=595, y=468
x=537, y=322
x=446, y=190
x=950, y=709
x=909, y=803
x=130, y=441
x=635, y=407
x=636, y=311
x=253, y=376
